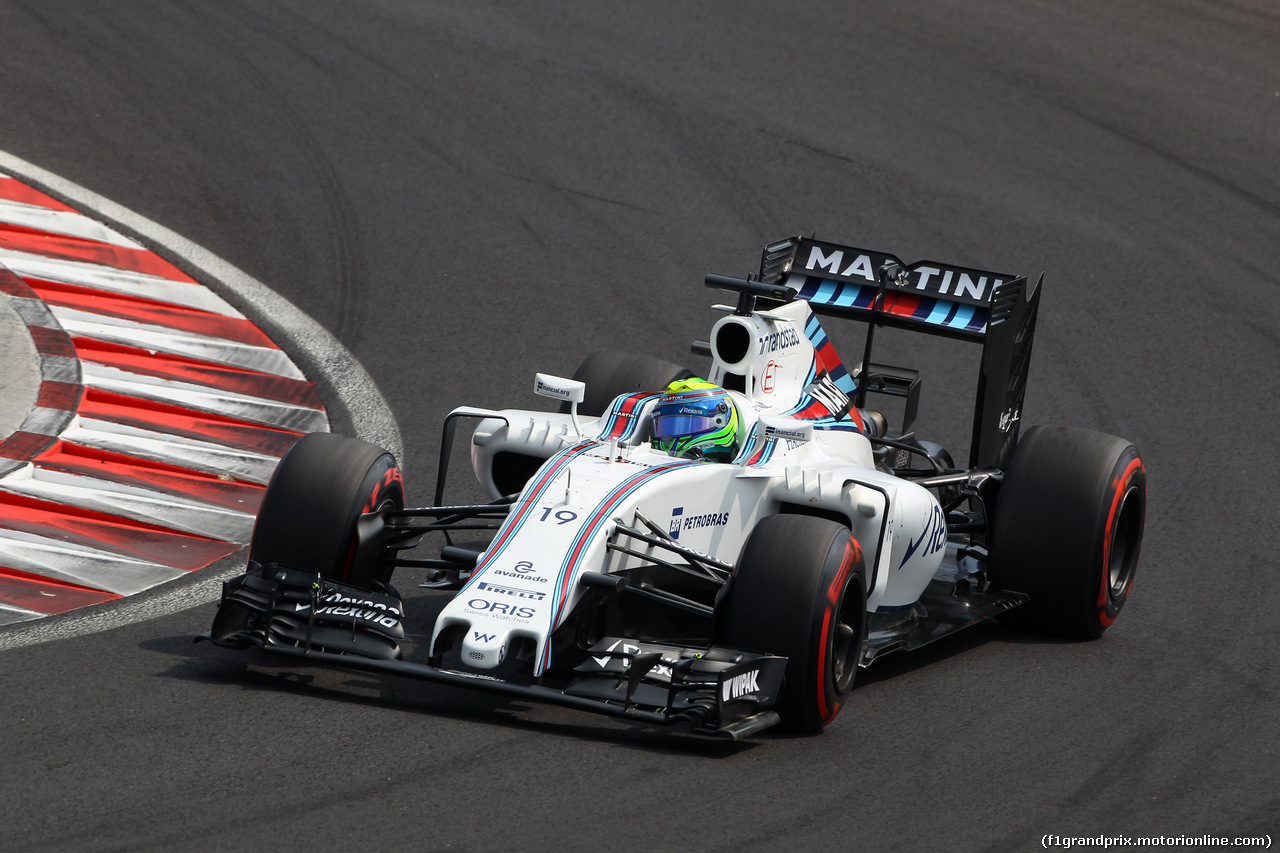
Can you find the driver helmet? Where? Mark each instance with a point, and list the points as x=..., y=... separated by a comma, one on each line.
x=696, y=418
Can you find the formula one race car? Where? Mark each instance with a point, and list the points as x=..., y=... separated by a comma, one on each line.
x=721, y=551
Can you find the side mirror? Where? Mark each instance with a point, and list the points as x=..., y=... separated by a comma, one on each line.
x=785, y=429
x=558, y=388
x=569, y=391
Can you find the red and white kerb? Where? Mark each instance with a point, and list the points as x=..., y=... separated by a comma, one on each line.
x=159, y=415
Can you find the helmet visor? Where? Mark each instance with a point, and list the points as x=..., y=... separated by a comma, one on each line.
x=677, y=426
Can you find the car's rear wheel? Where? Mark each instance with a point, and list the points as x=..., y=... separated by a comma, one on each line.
x=800, y=590
x=311, y=513
x=1068, y=529
x=608, y=374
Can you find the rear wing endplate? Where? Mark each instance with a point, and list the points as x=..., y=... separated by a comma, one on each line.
x=994, y=309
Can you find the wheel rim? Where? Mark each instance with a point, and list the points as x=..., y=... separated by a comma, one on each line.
x=387, y=503
x=846, y=649
x=1122, y=551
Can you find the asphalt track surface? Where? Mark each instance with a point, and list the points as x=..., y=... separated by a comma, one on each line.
x=464, y=193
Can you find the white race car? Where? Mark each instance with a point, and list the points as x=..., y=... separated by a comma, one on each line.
x=724, y=551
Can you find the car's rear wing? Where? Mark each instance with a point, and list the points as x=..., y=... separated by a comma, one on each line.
x=994, y=309
x=944, y=299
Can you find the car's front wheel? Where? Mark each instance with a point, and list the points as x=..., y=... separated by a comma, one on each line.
x=800, y=591
x=311, y=513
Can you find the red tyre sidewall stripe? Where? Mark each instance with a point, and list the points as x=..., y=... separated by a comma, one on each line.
x=822, y=666
x=851, y=554
x=1107, y=614
x=381, y=488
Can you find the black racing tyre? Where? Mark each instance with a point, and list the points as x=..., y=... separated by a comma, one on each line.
x=312, y=505
x=608, y=374
x=1068, y=529
x=800, y=590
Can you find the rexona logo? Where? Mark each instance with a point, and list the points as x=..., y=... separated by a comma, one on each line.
x=740, y=685
x=662, y=670
x=338, y=604
x=534, y=595
x=680, y=521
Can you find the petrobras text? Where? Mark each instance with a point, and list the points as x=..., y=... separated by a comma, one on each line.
x=710, y=519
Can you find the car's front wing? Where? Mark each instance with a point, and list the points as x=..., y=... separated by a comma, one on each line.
x=711, y=691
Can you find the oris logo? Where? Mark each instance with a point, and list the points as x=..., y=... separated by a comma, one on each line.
x=501, y=609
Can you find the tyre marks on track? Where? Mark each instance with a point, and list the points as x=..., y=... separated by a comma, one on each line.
x=160, y=414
